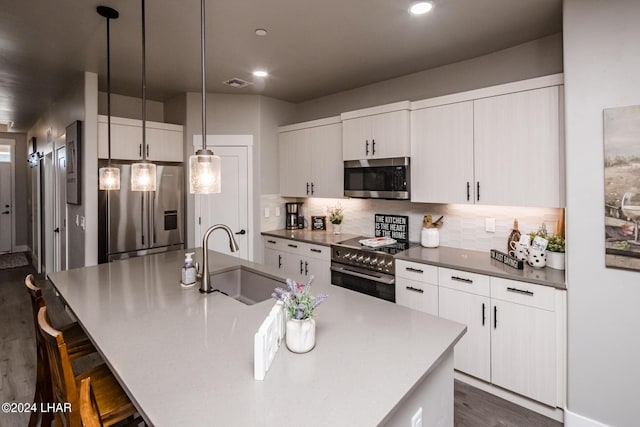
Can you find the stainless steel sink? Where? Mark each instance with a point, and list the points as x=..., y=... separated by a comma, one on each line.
x=245, y=285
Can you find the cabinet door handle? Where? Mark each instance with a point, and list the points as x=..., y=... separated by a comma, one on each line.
x=292, y=245
x=301, y=265
x=461, y=279
x=273, y=242
x=415, y=270
x=373, y=147
x=147, y=150
x=307, y=188
x=520, y=291
x=468, y=191
x=315, y=250
x=366, y=150
x=484, y=317
x=495, y=316
x=306, y=268
x=478, y=191
x=312, y=188
x=140, y=150
x=418, y=290
x=279, y=261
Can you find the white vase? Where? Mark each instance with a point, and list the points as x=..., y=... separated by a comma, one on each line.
x=301, y=335
x=337, y=228
x=555, y=260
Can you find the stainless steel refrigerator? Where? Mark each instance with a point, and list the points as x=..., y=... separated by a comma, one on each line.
x=134, y=223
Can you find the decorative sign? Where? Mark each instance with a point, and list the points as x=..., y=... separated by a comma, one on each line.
x=318, y=223
x=74, y=161
x=507, y=259
x=394, y=226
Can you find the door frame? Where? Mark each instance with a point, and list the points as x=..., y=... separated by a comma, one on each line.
x=233, y=141
x=60, y=248
x=12, y=144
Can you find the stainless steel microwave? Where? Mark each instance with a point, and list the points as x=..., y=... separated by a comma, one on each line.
x=377, y=178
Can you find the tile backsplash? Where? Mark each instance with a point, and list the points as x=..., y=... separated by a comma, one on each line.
x=463, y=225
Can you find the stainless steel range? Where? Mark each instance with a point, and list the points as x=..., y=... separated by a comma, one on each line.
x=363, y=269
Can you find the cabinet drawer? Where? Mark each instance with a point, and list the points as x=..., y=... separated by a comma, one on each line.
x=523, y=293
x=318, y=252
x=416, y=271
x=464, y=281
x=274, y=243
x=417, y=295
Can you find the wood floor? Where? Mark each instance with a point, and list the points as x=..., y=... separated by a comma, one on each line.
x=473, y=407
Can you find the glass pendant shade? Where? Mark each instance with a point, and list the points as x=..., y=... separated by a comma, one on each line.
x=109, y=178
x=143, y=177
x=204, y=173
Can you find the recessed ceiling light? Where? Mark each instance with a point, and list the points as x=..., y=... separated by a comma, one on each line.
x=261, y=32
x=420, y=8
x=260, y=73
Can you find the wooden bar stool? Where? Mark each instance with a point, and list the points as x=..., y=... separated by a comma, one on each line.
x=111, y=400
x=89, y=413
x=78, y=345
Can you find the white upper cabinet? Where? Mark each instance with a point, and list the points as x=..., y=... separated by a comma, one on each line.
x=311, y=159
x=379, y=132
x=442, y=154
x=164, y=142
x=495, y=146
x=517, y=148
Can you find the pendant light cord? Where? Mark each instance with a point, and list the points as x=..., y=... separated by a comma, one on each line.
x=144, y=90
x=204, y=92
x=108, y=93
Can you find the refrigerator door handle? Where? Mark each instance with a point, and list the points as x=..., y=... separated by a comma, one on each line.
x=142, y=216
x=152, y=210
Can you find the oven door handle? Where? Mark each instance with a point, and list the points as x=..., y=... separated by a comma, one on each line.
x=373, y=277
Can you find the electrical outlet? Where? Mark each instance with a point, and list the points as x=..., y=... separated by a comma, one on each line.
x=416, y=420
x=266, y=212
x=490, y=225
x=277, y=211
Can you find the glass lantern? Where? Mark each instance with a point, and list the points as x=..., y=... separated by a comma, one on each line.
x=143, y=177
x=109, y=178
x=204, y=173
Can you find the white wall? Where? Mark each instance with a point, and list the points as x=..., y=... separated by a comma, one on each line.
x=601, y=69
x=130, y=107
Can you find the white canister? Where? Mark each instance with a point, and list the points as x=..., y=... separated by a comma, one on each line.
x=430, y=237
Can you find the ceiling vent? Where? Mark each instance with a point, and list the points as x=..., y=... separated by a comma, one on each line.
x=237, y=83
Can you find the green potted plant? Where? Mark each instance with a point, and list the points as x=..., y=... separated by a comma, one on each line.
x=336, y=215
x=556, y=252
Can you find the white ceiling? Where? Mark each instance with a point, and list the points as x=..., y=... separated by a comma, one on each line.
x=313, y=48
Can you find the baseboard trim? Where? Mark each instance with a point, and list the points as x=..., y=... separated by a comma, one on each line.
x=571, y=419
x=553, y=413
x=21, y=248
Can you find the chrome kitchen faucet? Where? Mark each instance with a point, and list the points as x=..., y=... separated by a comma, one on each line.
x=205, y=284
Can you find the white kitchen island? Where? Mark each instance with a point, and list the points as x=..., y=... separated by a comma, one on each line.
x=186, y=359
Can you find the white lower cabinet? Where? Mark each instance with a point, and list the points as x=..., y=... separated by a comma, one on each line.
x=523, y=339
x=513, y=338
x=298, y=260
x=417, y=286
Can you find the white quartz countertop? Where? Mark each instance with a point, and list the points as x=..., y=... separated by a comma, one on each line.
x=318, y=237
x=186, y=359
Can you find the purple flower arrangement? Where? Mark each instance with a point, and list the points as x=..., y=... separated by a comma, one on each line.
x=298, y=301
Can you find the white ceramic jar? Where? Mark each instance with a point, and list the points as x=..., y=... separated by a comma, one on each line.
x=430, y=237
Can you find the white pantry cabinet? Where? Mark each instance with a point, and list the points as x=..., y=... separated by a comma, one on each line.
x=311, y=159
x=417, y=286
x=496, y=146
x=164, y=141
x=299, y=260
x=378, y=132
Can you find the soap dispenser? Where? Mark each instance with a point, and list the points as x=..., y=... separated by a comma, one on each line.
x=188, y=270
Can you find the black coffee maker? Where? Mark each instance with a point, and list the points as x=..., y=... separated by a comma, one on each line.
x=294, y=218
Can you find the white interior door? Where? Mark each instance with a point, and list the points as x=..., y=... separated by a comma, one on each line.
x=230, y=206
x=60, y=215
x=6, y=211
x=49, y=212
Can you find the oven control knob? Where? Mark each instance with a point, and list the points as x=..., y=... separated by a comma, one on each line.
x=337, y=253
x=367, y=260
x=360, y=258
x=374, y=262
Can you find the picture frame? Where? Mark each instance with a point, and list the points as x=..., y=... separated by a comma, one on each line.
x=73, y=146
x=318, y=223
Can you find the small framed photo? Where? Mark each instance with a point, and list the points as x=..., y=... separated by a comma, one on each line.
x=73, y=143
x=318, y=223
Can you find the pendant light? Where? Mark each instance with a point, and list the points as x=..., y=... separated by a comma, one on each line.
x=143, y=174
x=109, y=176
x=204, y=166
